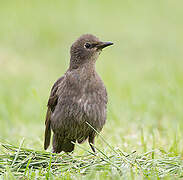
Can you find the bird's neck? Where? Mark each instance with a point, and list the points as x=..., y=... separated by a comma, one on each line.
x=86, y=66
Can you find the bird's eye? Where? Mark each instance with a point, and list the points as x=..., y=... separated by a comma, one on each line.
x=87, y=45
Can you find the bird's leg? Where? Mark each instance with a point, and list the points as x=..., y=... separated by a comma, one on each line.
x=92, y=147
x=91, y=142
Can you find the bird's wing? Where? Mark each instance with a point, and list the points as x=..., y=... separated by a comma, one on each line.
x=52, y=102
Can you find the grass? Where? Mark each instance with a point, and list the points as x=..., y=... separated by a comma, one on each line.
x=142, y=72
x=27, y=163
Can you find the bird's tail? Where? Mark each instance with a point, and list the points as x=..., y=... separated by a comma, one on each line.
x=61, y=144
x=47, y=130
x=68, y=146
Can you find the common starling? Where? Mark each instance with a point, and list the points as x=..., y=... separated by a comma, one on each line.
x=77, y=99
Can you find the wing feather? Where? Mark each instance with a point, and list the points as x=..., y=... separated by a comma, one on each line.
x=52, y=102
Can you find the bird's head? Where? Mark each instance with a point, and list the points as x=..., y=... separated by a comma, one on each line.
x=86, y=49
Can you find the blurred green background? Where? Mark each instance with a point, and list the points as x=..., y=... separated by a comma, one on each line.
x=143, y=71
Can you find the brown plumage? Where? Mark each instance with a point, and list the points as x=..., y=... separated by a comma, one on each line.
x=79, y=96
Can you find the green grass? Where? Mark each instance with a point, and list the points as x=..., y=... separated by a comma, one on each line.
x=143, y=73
x=31, y=164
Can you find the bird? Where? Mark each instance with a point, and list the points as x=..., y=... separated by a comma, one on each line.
x=77, y=105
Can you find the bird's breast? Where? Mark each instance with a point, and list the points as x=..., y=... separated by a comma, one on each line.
x=80, y=101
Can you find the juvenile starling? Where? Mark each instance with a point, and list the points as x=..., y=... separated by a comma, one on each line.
x=77, y=99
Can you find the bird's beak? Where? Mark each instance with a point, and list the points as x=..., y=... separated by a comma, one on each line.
x=102, y=45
